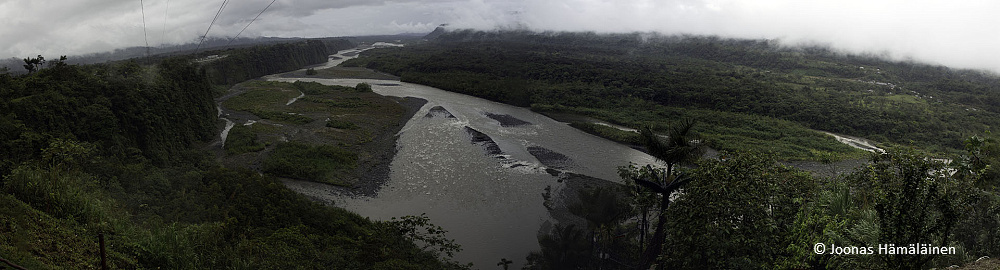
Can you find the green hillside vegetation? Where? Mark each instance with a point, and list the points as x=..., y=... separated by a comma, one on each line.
x=760, y=103
x=747, y=211
x=323, y=136
x=242, y=139
x=712, y=80
x=237, y=65
x=118, y=149
x=322, y=163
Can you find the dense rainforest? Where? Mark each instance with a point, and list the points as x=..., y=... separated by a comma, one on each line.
x=236, y=65
x=119, y=150
x=749, y=94
x=759, y=102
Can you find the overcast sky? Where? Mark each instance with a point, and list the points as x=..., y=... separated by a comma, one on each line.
x=958, y=33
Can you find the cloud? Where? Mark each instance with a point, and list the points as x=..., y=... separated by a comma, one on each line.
x=954, y=33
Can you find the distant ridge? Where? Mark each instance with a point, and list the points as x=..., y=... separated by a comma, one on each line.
x=437, y=32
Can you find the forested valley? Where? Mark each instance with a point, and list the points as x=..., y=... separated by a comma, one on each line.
x=759, y=103
x=119, y=150
x=755, y=94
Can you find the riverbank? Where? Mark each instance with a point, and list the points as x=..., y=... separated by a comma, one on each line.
x=364, y=125
x=373, y=172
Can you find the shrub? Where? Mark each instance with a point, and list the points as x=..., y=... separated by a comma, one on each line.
x=363, y=87
x=315, y=163
x=242, y=139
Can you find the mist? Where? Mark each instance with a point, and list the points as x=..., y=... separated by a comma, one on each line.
x=960, y=34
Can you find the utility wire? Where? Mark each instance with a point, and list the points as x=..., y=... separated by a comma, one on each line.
x=251, y=22
x=224, y=2
x=166, y=13
x=144, y=36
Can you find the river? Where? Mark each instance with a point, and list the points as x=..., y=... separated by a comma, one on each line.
x=487, y=196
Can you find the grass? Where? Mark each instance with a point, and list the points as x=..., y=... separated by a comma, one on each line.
x=315, y=88
x=25, y=232
x=58, y=213
x=303, y=148
x=261, y=95
x=282, y=116
x=909, y=99
x=355, y=72
x=720, y=130
x=341, y=124
x=607, y=132
x=340, y=102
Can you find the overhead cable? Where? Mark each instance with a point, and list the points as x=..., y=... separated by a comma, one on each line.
x=224, y=2
x=251, y=22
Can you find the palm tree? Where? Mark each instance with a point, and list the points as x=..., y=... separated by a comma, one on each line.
x=505, y=263
x=678, y=148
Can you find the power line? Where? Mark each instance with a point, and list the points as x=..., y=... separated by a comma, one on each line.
x=166, y=14
x=224, y=2
x=144, y=36
x=251, y=22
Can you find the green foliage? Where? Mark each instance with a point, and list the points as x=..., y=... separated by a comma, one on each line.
x=418, y=229
x=978, y=231
x=242, y=139
x=719, y=130
x=114, y=106
x=363, y=87
x=898, y=102
x=33, y=64
x=602, y=207
x=322, y=163
x=238, y=65
x=834, y=216
x=286, y=117
x=311, y=71
x=260, y=97
x=737, y=214
x=341, y=124
x=26, y=233
x=914, y=201
x=116, y=149
x=339, y=103
x=566, y=248
x=614, y=134
x=315, y=88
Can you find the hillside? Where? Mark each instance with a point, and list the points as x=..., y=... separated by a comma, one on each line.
x=749, y=94
x=761, y=104
x=119, y=150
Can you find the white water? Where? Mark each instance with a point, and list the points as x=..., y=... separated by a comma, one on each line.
x=229, y=125
x=295, y=98
x=490, y=206
x=493, y=209
x=855, y=142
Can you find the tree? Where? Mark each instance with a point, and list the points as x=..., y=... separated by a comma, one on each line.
x=505, y=263
x=679, y=148
x=58, y=63
x=737, y=215
x=34, y=64
x=363, y=87
x=915, y=203
x=566, y=248
x=979, y=229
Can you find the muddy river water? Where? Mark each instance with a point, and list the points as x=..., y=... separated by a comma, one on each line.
x=477, y=168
